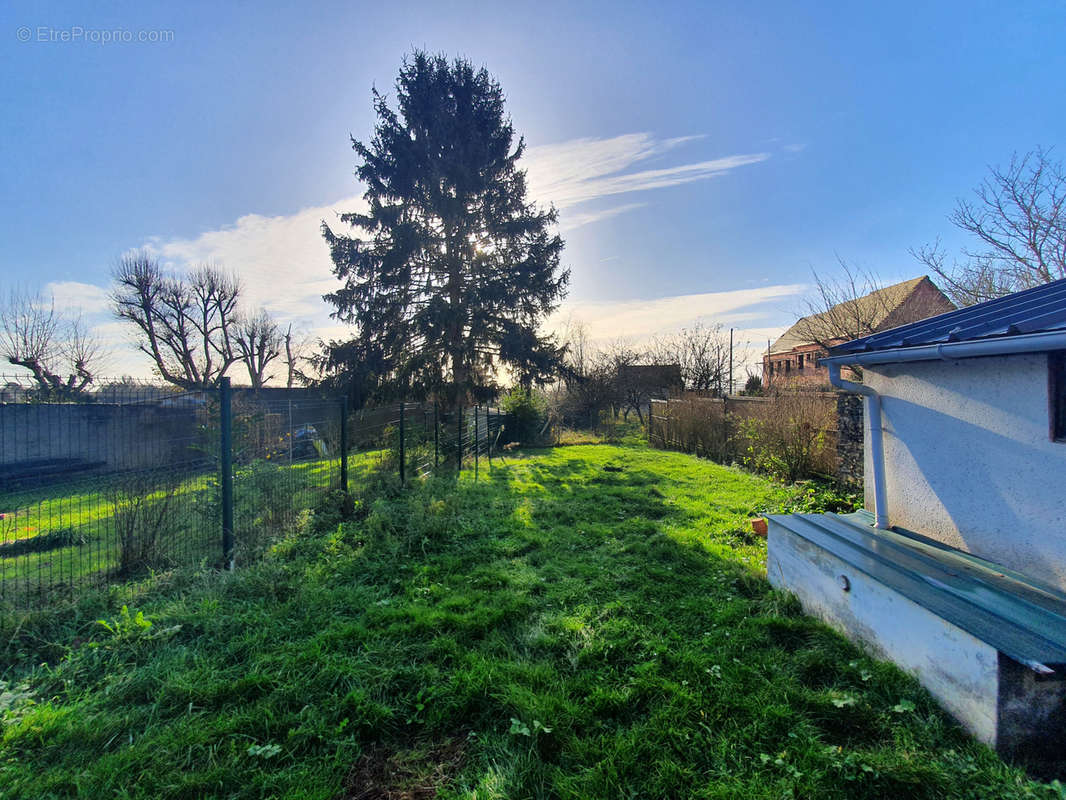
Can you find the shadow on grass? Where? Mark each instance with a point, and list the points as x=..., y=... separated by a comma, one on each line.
x=576, y=614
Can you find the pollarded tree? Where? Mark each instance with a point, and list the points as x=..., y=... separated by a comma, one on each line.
x=449, y=272
x=54, y=345
x=258, y=341
x=184, y=324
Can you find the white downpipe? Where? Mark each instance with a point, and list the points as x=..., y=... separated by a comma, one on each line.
x=877, y=449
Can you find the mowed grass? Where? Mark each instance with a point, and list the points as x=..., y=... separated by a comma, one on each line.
x=583, y=622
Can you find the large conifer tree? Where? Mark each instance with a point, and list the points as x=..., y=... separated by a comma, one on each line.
x=450, y=271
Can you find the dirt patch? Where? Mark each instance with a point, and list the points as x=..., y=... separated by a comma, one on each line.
x=383, y=773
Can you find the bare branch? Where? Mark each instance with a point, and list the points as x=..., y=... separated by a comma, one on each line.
x=55, y=346
x=258, y=342
x=1019, y=221
x=185, y=325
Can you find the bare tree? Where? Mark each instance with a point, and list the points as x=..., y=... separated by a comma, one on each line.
x=259, y=342
x=702, y=351
x=844, y=308
x=1019, y=221
x=297, y=350
x=55, y=346
x=185, y=325
x=579, y=353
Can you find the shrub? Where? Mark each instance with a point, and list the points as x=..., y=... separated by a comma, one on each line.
x=264, y=505
x=789, y=442
x=525, y=410
x=143, y=513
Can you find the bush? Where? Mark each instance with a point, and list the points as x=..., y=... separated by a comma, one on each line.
x=143, y=514
x=264, y=505
x=526, y=412
x=788, y=436
x=789, y=443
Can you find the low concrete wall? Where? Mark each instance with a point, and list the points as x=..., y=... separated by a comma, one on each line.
x=998, y=700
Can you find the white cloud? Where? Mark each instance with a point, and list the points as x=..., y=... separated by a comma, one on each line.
x=571, y=220
x=581, y=170
x=86, y=298
x=640, y=319
x=284, y=262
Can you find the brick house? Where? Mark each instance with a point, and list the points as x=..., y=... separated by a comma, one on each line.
x=793, y=358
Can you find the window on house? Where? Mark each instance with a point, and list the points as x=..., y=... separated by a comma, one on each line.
x=788, y=365
x=1057, y=394
x=799, y=362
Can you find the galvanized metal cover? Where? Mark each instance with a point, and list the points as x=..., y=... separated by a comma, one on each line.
x=1019, y=617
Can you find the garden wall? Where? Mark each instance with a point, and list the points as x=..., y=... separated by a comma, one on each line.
x=113, y=437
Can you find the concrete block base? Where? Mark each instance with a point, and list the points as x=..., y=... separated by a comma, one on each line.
x=1001, y=702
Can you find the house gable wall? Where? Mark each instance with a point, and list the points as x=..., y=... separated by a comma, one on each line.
x=969, y=461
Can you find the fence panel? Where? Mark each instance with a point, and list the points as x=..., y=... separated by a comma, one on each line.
x=103, y=487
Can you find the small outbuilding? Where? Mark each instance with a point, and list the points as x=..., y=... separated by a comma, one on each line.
x=958, y=571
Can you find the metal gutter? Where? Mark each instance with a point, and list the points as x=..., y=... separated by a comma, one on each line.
x=877, y=447
x=1005, y=345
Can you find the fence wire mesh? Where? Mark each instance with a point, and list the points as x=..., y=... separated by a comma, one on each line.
x=104, y=487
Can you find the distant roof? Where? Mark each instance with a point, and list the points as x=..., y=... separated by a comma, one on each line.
x=662, y=374
x=876, y=307
x=1041, y=309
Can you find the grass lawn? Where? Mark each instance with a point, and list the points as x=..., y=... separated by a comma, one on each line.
x=78, y=540
x=583, y=622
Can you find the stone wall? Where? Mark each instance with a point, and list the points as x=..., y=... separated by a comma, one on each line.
x=850, y=439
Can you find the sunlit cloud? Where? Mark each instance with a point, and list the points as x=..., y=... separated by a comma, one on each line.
x=578, y=219
x=582, y=170
x=642, y=319
x=284, y=264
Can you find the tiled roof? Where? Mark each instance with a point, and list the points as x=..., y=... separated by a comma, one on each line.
x=874, y=307
x=1037, y=310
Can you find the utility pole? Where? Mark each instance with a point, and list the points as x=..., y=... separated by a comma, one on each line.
x=729, y=390
x=769, y=368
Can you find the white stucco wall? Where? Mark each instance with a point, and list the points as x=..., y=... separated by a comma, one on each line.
x=969, y=461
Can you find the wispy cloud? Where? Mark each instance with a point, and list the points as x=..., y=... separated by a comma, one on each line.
x=640, y=319
x=284, y=263
x=571, y=220
x=583, y=170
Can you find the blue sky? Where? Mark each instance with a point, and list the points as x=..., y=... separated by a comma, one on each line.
x=704, y=156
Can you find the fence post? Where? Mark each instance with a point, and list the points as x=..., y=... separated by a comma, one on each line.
x=226, y=447
x=460, y=436
x=436, y=437
x=488, y=437
x=477, y=442
x=403, y=452
x=344, y=442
